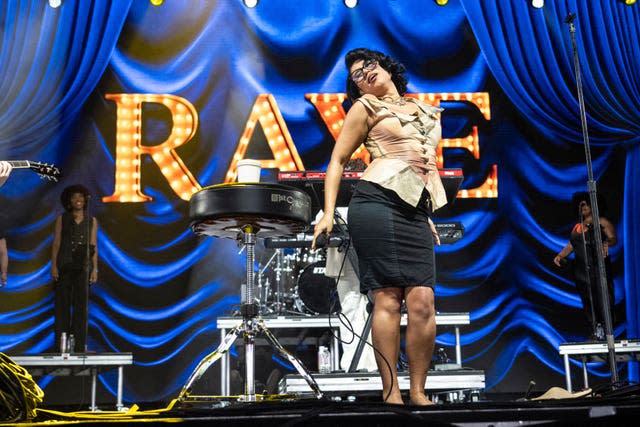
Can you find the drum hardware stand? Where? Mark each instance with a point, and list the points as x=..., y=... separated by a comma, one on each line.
x=250, y=326
x=364, y=335
x=264, y=287
x=278, y=290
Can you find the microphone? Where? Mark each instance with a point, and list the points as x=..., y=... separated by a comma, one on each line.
x=570, y=17
x=330, y=241
x=321, y=240
x=532, y=384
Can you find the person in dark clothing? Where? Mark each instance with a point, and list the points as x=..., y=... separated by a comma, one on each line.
x=4, y=261
x=585, y=264
x=74, y=266
x=4, y=251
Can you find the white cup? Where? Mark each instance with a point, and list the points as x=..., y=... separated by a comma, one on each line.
x=249, y=170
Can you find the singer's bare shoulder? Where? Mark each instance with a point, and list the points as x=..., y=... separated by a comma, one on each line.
x=605, y=222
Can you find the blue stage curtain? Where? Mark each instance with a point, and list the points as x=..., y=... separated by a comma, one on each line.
x=57, y=64
x=632, y=248
x=534, y=65
x=50, y=62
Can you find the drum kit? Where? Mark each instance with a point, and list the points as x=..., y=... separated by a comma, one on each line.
x=293, y=282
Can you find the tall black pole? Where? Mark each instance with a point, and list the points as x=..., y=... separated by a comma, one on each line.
x=591, y=184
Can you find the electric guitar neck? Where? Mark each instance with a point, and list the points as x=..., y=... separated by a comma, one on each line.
x=45, y=171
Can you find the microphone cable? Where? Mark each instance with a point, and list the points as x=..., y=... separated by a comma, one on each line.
x=344, y=320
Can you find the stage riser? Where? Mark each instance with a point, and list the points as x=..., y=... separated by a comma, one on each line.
x=437, y=382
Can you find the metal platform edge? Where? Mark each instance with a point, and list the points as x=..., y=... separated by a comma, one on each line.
x=437, y=381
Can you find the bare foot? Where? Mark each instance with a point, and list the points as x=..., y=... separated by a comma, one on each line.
x=393, y=399
x=420, y=400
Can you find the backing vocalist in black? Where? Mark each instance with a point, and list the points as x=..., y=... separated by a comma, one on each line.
x=585, y=264
x=74, y=266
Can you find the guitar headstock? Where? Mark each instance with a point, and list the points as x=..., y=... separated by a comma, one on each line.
x=46, y=171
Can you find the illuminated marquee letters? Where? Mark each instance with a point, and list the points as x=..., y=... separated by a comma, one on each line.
x=329, y=106
x=265, y=111
x=129, y=146
x=285, y=155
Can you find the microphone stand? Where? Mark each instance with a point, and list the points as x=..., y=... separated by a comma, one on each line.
x=602, y=276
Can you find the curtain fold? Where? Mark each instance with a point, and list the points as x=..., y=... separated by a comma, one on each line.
x=51, y=61
x=608, y=36
x=608, y=39
x=631, y=228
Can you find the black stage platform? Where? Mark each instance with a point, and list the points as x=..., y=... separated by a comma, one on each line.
x=584, y=411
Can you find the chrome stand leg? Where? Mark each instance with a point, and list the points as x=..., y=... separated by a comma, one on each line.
x=210, y=359
x=249, y=361
x=251, y=324
x=302, y=370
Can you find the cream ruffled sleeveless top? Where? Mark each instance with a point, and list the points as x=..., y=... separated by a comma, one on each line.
x=403, y=150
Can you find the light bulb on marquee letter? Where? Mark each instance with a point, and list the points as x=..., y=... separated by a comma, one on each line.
x=129, y=148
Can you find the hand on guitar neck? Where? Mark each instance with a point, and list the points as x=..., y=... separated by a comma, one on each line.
x=5, y=171
x=45, y=171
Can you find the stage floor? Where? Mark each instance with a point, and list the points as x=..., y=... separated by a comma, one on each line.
x=368, y=410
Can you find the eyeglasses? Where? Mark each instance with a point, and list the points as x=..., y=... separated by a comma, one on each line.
x=358, y=75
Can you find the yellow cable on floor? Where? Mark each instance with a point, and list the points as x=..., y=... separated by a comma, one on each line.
x=19, y=378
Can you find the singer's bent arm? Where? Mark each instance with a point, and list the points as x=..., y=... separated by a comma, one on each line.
x=609, y=232
x=353, y=133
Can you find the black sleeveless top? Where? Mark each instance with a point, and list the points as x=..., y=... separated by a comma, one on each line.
x=73, y=241
x=587, y=260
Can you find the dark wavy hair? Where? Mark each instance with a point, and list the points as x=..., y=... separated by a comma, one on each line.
x=583, y=196
x=392, y=66
x=65, y=197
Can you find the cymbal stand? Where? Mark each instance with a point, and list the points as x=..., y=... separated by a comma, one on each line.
x=279, y=277
x=265, y=286
x=250, y=326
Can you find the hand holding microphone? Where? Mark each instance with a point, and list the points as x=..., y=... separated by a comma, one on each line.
x=321, y=240
x=321, y=231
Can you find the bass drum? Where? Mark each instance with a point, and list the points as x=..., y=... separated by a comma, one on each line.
x=315, y=292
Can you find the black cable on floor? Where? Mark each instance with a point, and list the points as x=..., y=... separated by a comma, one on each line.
x=19, y=393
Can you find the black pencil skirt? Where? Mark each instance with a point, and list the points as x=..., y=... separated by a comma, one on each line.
x=392, y=239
